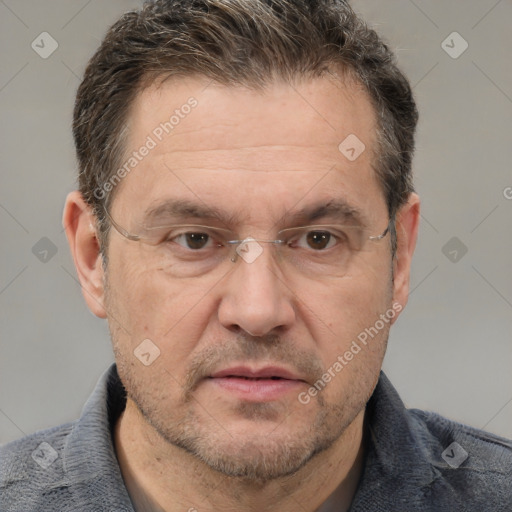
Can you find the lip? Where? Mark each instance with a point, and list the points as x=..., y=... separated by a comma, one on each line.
x=257, y=385
x=266, y=372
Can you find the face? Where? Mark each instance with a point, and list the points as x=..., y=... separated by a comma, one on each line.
x=253, y=365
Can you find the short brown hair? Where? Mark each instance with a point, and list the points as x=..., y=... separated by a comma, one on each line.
x=237, y=42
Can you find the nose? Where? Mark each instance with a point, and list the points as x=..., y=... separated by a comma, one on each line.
x=255, y=299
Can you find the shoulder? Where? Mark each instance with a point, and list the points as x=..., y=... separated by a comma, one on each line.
x=422, y=461
x=31, y=471
x=480, y=445
x=466, y=461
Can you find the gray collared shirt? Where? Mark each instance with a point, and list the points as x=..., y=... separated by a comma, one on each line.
x=415, y=461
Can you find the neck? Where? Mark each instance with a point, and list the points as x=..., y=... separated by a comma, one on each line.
x=161, y=477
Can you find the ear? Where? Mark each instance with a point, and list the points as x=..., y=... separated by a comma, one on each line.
x=80, y=225
x=407, y=223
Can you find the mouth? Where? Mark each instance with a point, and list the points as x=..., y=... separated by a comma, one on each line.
x=257, y=385
x=268, y=372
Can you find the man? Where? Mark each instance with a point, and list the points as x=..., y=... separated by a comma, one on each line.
x=245, y=221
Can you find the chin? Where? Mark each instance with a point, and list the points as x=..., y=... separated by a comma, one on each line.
x=251, y=458
x=257, y=450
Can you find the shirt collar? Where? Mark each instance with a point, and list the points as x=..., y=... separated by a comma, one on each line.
x=397, y=467
x=89, y=457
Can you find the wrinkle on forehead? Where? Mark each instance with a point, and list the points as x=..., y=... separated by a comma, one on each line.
x=289, y=131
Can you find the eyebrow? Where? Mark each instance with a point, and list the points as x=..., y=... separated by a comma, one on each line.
x=183, y=208
x=336, y=209
x=177, y=210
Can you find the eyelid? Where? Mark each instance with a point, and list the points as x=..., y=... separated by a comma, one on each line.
x=321, y=227
x=186, y=228
x=164, y=233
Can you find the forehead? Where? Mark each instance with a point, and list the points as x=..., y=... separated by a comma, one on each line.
x=232, y=146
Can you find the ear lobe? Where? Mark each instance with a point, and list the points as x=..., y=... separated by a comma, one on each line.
x=407, y=223
x=79, y=224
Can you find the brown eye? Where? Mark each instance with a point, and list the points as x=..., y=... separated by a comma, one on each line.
x=193, y=241
x=318, y=240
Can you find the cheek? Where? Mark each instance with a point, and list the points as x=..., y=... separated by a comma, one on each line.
x=339, y=311
x=353, y=347
x=146, y=304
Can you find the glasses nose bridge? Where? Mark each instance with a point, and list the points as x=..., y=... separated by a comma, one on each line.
x=249, y=249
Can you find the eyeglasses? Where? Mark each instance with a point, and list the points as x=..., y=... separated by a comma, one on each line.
x=192, y=250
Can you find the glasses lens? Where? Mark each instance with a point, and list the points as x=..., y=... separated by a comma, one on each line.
x=194, y=250
x=322, y=250
x=186, y=251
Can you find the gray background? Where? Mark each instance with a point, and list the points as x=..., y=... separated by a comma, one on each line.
x=451, y=350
